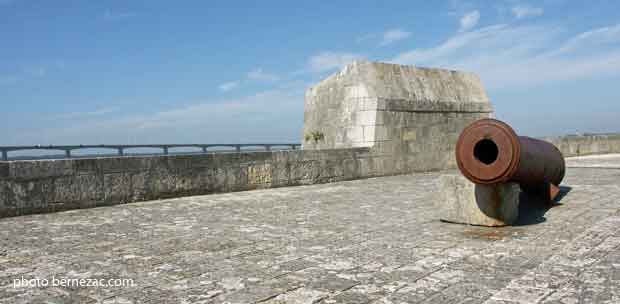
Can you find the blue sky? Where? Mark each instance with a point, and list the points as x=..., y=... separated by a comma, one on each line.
x=134, y=72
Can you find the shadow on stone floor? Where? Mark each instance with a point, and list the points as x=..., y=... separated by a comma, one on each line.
x=532, y=208
x=563, y=192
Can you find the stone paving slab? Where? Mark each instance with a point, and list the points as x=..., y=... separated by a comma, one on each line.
x=594, y=161
x=366, y=241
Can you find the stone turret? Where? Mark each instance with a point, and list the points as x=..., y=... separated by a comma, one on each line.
x=413, y=115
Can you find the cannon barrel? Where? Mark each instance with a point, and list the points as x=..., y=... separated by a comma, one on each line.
x=489, y=152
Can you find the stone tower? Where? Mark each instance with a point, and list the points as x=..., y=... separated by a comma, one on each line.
x=413, y=115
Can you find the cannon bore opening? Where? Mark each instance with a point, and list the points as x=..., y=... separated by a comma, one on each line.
x=486, y=151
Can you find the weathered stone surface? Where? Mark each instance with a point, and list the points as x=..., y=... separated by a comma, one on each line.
x=413, y=115
x=86, y=188
x=260, y=175
x=4, y=202
x=364, y=241
x=63, y=185
x=575, y=145
x=25, y=170
x=367, y=102
x=461, y=201
x=30, y=196
x=117, y=188
x=4, y=170
x=606, y=161
x=218, y=178
x=126, y=164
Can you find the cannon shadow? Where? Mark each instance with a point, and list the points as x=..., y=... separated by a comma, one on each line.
x=532, y=208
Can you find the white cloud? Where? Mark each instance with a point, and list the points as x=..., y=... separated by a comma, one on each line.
x=326, y=61
x=246, y=119
x=109, y=15
x=88, y=114
x=539, y=57
x=458, y=7
x=259, y=74
x=385, y=38
x=524, y=11
x=394, y=35
x=469, y=20
x=447, y=48
x=196, y=113
x=227, y=86
x=600, y=36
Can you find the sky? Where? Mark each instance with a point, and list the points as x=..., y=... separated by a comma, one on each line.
x=146, y=72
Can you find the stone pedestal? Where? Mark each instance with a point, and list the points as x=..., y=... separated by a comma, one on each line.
x=461, y=201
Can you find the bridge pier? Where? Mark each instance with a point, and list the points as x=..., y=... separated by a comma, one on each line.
x=68, y=153
x=5, y=155
x=165, y=150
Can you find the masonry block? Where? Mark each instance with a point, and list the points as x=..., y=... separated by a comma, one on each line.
x=4, y=170
x=124, y=164
x=117, y=188
x=31, y=196
x=396, y=104
x=86, y=165
x=80, y=188
x=351, y=168
x=4, y=203
x=26, y=170
x=162, y=182
x=218, y=178
x=237, y=178
x=461, y=201
x=280, y=172
x=259, y=175
x=304, y=172
x=141, y=188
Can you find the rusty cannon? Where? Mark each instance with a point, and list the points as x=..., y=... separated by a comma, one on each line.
x=489, y=152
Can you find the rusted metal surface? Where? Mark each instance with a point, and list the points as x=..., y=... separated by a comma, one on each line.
x=489, y=151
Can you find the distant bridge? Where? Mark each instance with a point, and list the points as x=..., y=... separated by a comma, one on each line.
x=120, y=149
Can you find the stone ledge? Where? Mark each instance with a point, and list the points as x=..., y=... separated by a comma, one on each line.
x=52, y=185
x=409, y=105
x=26, y=170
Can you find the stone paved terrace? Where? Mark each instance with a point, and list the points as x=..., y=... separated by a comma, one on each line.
x=366, y=241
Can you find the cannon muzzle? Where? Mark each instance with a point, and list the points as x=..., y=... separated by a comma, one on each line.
x=489, y=152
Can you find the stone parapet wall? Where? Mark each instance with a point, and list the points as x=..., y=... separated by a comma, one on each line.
x=41, y=186
x=575, y=145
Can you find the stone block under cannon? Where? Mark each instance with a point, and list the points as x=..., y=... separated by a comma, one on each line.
x=497, y=167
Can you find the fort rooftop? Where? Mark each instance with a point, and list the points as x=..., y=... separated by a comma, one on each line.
x=376, y=240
